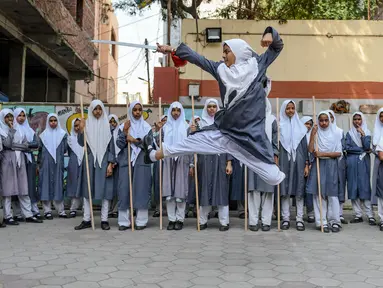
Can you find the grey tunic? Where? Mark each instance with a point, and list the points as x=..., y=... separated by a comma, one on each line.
x=176, y=177
x=31, y=174
x=358, y=171
x=98, y=180
x=255, y=183
x=14, y=179
x=113, y=185
x=342, y=174
x=329, y=178
x=213, y=181
x=294, y=183
x=141, y=178
x=248, y=131
x=51, y=174
x=73, y=183
x=237, y=181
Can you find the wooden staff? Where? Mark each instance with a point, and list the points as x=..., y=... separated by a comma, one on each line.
x=130, y=173
x=318, y=168
x=279, y=185
x=246, y=194
x=160, y=162
x=195, y=172
x=87, y=167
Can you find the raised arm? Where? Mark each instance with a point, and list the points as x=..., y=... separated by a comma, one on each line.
x=273, y=50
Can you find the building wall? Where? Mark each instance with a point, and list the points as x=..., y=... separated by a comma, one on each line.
x=346, y=65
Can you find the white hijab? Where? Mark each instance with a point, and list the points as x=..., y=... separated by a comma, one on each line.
x=24, y=129
x=115, y=132
x=355, y=135
x=304, y=120
x=52, y=138
x=269, y=121
x=17, y=138
x=328, y=139
x=175, y=130
x=138, y=129
x=73, y=143
x=292, y=130
x=239, y=76
x=338, y=130
x=195, y=120
x=378, y=128
x=98, y=132
x=206, y=119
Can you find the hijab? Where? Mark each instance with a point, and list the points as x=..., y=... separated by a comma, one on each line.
x=304, y=120
x=378, y=128
x=355, y=135
x=328, y=139
x=338, y=130
x=52, y=138
x=206, y=119
x=98, y=132
x=292, y=130
x=115, y=132
x=239, y=76
x=24, y=129
x=195, y=120
x=269, y=121
x=175, y=130
x=73, y=143
x=139, y=128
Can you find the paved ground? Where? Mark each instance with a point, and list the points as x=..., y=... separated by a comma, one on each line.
x=54, y=255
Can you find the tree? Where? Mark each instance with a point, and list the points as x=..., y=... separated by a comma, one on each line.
x=179, y=8
x=299, y=9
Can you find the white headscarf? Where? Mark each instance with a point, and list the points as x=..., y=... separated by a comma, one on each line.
x=328, y=139
x=239, y=76
x=52, y=138
x=175, y=130
x=355, y=135
x=98, y=132
x=115, y=132
x=206, y=119
x=73, y=143
x=269, y=121
x=195, y=119
x=378, y=128
x=138, y=129
x=292, y=130
x=338, y=130
x=304, y=120
x=24, y=129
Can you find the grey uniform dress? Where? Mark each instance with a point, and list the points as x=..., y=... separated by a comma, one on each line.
x=176, y=177
x=31, y=174
x=74, y=170
x=98, y=180
x=329, y=178
x=14, y=180
x=51, y=174
x=342, y=177
x=255, y=183
x=141, y=178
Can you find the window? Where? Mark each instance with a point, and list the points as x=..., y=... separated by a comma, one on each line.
x=79, y=12
x=112, y=48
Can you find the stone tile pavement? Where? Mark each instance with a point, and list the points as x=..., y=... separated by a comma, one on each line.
x=54, y=255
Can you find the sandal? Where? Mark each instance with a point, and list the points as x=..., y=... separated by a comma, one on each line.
x=335, y=228
x=325, y=228
x=156, y=214
x=48, y=216
x=300, y=226
x=357, y=220
x=285, y=225
x=72, y=214
x=342, y=220
x=372, y=221
x=381, y=226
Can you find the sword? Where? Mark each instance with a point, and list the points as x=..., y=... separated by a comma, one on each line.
x=125, y=44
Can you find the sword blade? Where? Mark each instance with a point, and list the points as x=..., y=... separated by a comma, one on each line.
x=125, y=44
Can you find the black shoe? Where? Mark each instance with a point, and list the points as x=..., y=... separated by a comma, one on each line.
x=139, y=227
x=254, y=228
x=381, y=227
x=342, y=220
x=123, y=228
x=335, y=228
x=105, y=225
x=63, y=216
x=11, y=222
x=171, y=225
x=300, y=227
x=186, y=214
x=18, y=218
x=224, y=227
x=241, y=215
x=310, y=219
x=265, y=228
x=48, y=216
x=113, y=215
x=357, y=220
x=33, y=220
x=372, y=221
x=285, y=225
x=38, y=216
x=156, y=214
x=84, y=225
x=72, y=214
x=178, y=226
x=325, y=229
x=147, y=147
x=203, y=226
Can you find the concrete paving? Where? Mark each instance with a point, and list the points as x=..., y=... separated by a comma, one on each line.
x=53, y=255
